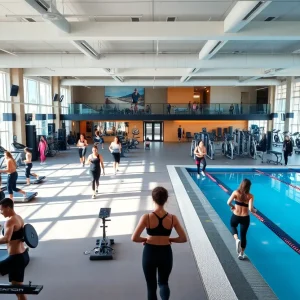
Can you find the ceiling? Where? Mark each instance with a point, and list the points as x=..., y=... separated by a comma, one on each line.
x=207, y=41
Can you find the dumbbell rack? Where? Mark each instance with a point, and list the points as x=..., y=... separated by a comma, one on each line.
x=103, y=249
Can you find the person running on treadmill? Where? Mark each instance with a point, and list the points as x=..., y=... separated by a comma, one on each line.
x=200, y=152
x=28, y=166
x=95, y=160
x=157, y=253
x=12, y=175
x=18, y=258
x=240, y=215
x=82, y=144
x=98, y=139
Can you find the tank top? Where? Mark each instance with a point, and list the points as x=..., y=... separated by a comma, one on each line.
x=95, y=164
x=115, y=147
x=17, y=235
x=81, y=144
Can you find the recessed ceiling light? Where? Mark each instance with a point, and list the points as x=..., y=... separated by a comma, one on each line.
x=268, y=19
x=134, y=19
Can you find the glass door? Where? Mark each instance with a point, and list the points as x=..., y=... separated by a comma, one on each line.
x=153, y=131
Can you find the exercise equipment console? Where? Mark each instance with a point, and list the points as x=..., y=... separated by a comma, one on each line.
x=103, y=249
x=26, y=289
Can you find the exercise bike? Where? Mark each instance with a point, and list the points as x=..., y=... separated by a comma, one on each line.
x=103, y=249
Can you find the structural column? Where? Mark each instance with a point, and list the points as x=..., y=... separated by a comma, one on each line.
x=288, y=102
x=18, y=108
x=55, y=90
x=271, y=101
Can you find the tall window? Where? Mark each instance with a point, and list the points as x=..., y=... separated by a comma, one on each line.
x=5, y=107
x=295, y=108
x=280, y=100
x=262, y=124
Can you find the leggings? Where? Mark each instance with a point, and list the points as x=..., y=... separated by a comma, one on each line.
x=95, y=179
x=82, y=152
x=157, y=259
x=198, y=161
x=27, y=170
x=12, y=183
x=244, y=225
x=285, y=155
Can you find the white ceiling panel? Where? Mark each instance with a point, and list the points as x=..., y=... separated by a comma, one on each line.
x=282, y=10
x=18, y=8
x=260, y=47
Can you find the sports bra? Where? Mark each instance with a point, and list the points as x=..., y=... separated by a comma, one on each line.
x=160, y=230
x=241, y=203
x=17, y=235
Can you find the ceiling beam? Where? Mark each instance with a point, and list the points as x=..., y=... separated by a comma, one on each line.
x=130, y=31
x=125, y=61
x=168, y=82
x=86, y=49
x=241, y=14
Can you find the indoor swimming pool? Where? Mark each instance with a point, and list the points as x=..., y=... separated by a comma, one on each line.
x=274, y=235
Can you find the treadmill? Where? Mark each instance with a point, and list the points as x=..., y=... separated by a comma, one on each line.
x=18, y=197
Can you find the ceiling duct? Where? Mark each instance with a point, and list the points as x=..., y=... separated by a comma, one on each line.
x=50, y=13
x=215, y=47
x=253, y=10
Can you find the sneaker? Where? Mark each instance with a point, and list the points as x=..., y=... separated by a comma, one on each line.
x=37, y=177
x=198, y=176
x=202, y=173
x=241, y=256
x=25, y=196
x=96, y=190
x=94, y=196
x=238, y=246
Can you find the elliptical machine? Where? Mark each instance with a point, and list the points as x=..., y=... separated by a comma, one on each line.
x=228, y=146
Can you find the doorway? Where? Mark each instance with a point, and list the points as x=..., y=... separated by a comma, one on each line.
x=153, y=131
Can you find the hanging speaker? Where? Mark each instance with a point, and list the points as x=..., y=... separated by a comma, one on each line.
x=55, y=97
x=14, y=90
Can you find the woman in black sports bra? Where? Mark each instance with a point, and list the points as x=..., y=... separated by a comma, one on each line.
x=240, y=215
x=157, y=254
x=95, y=160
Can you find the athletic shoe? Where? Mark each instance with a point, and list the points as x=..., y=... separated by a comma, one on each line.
x=202, y=173
x=94, y=196
x=198, y=176
x=97, y=191
x=238, y=246
x=241, y=256
x=37, y=177
x=25, y=196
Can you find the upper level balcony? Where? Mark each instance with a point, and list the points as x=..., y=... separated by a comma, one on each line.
x=168, y=111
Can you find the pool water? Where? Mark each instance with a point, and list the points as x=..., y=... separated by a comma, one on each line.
x=277, y=197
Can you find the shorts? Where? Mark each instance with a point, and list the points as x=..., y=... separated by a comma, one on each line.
x=28, y=169
x=14, y=266
x=81, y=152
x=117, y=157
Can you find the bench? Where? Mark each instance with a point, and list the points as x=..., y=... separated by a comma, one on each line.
x=278, y=157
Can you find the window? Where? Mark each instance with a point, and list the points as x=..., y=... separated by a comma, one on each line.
x=280, y=99
x=295, y=108
x=5, y=107
x=262, y=124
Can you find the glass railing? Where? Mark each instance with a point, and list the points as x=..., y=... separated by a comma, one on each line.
x=171, y=108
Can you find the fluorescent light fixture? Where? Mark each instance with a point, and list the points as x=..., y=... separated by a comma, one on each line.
x=118, y=78
x=86, y=49
x=196, y=96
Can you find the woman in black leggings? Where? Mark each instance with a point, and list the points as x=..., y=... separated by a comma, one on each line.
x=157, y=254
x=95, y=159
x=240, y=215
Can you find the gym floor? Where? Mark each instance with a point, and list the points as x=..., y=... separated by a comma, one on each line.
x=65, y=218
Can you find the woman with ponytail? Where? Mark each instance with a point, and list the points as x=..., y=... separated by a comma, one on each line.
x=240, y=215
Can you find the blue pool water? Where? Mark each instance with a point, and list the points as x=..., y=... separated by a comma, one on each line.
x=276, y=196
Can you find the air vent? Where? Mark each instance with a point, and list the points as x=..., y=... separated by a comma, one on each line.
x=29, y=20
x=255, y=8
x=268, y=19
x=42, y=5
x=135, y=19
x=171, y=19
x=214, y=48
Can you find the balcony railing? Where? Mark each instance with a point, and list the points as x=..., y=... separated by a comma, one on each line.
x=172, y=108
